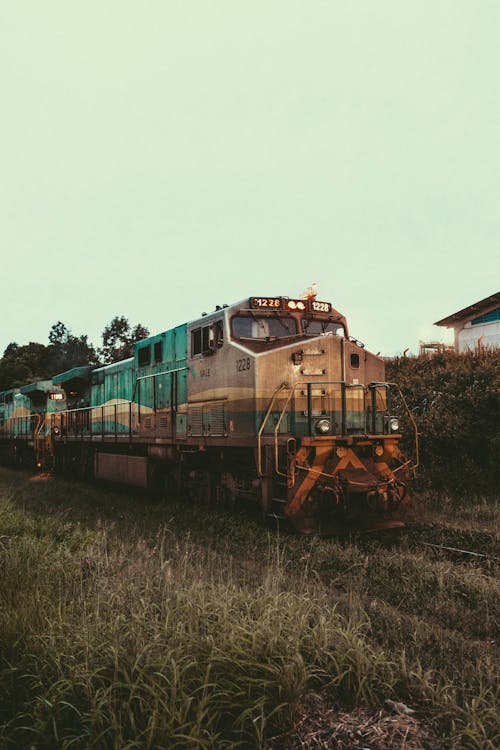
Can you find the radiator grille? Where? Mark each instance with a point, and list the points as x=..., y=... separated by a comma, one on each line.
x=207, y=419
x=195, y=421
x=214, y=419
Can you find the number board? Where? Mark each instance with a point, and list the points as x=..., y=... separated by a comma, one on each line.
x=270, y=303
x=323, y=307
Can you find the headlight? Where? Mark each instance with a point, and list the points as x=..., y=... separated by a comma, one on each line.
x=323, y=426
x=394, y=424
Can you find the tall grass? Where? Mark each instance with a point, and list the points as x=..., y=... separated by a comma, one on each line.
x=125, y=624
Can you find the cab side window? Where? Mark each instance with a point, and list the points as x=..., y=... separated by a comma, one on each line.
x=196, y=341
x=207, y=338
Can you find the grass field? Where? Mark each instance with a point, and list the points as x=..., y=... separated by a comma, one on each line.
x=127, y=623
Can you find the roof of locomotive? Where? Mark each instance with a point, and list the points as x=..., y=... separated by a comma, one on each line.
x=41, y=386
x=246, y=304
x=112, y=366
x=76, y=373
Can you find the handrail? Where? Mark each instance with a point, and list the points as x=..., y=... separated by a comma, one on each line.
x=37, y=429
x=9, y=424
x=163, y=372
x=156, y=375
x=309, y=386
x=64, y=415
x=37, y=439
x=264, y=422
x=414, y=425
x=276, y=431
x=293, y=388
x=88, y=408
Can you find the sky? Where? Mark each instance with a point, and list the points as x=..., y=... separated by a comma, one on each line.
x=158, y=158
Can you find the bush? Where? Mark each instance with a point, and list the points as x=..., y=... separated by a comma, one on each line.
x=454, y=399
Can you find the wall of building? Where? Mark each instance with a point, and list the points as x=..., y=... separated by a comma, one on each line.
x=468, y=335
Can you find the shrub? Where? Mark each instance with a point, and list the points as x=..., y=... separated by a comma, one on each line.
x=455, y=401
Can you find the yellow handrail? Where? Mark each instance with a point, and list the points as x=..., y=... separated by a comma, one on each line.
x=292, y=389
x=276, y=431
x=264, y=422
x=414, y=425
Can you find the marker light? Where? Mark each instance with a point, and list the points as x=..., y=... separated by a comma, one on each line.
x=394, y=424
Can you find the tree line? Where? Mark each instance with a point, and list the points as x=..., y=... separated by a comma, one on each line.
x=22, y=364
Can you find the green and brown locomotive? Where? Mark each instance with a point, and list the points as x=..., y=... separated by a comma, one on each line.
x=268, y=400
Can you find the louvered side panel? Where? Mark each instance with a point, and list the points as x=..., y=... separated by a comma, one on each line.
x=214, y=419
x=195, y=421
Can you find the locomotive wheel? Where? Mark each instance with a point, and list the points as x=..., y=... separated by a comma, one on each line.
x=227, y=498
x=206, y=488
x=199, y=487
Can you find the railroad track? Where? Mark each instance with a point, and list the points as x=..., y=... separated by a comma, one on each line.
x=440, y=540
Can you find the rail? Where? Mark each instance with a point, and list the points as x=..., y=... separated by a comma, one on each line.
x=416, y=463
x=348, y=428
x=152, y=376
x=90, y=421
x=263, y=425
x=42, y=443
x=20, y=428
x=81, y=422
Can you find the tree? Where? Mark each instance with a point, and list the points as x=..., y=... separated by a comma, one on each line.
x=58, y=333
x=70, y=351
x=25, y=364
x=118, y=339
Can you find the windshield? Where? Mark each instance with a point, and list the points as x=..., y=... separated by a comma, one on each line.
x=320, y=327
x=263, y=326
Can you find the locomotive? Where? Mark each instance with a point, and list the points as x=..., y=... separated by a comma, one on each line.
x=268, y=400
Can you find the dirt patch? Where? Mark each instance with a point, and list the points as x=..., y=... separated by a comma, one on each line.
x=43, y=476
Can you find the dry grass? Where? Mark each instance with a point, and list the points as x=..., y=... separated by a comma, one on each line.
x=319, y=726
x=130, y=624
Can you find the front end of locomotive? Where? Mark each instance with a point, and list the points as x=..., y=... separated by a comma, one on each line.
x=347, y=471
x=329, y=433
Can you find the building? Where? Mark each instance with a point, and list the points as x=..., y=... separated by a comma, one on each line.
x=477, y=325
x=430, y=347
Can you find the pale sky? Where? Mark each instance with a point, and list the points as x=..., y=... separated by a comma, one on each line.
x=158, y=158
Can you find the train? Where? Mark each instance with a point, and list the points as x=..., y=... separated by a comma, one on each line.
x=268, y=400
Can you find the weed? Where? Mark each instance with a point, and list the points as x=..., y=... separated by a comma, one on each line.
x=129, y=624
